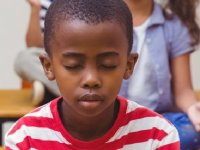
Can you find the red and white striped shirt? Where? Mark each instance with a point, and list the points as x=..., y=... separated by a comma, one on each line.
x=136, y=128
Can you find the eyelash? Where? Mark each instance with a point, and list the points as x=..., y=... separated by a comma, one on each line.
x=104, y=67
x=76, y=67
x=108, y=66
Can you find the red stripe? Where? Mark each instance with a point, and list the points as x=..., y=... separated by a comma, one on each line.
x=25, y=144
x=53, y=145
x=131, y=138
x=139, y=113
x=41, y=144
x=7, y=148
x=34, y=122
x=138, y=137
x=171, y=146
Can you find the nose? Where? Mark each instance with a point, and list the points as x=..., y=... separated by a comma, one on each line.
x=91, y=79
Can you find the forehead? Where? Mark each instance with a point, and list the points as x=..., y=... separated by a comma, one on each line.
x=79, y=33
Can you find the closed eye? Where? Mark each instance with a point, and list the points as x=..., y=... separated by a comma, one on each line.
x=103, y=66
x=73, y=67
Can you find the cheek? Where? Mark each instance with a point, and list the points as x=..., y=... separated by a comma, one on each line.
x=65, y=81
x=114, y=80
x=114, y=83
x=68, y=87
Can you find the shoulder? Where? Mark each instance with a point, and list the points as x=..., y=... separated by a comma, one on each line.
x=169, y=20
x=33, y=118
x=35, y=127
x=177, y=36
x=175, y=24
x=40, y=114
x=174, y=29
x=31, y=124
x=165, y=17
x=141, y=124
x=143, y=118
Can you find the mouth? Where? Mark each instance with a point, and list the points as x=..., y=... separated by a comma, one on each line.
x=91, y=97
x=91, y=100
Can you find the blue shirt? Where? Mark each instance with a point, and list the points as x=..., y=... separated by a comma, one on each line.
x=166, y=39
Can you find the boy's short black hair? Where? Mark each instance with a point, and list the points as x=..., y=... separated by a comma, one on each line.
x=89, y=11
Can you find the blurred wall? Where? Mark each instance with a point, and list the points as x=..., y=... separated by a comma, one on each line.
x=14, y=15
x=195, y=69
x=195, y=62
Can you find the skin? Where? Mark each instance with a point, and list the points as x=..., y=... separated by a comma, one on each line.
x=34, y=36
x=184, y=95
x=89, y=63
x=141, y=10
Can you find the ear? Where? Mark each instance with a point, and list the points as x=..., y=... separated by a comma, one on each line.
x=132, y=59
x=47, y=66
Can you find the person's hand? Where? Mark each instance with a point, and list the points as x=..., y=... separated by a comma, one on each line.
x=34, y=3
x=194, y=115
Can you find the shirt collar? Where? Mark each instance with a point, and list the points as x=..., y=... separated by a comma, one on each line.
x=157, y=16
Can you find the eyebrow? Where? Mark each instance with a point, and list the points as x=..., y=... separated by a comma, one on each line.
x=82, y=56
x=104, y=54
x=108, y=54
x=72, y=54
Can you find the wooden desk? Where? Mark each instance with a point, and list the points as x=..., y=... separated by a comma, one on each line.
x=13, y=105
x=1, y=148
x=198, y=94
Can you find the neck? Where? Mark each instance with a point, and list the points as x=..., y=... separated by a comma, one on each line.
x=140, y=9
x=88, y=128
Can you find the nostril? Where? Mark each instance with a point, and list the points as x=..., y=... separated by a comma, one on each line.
x=91, y=79
x=91, y=86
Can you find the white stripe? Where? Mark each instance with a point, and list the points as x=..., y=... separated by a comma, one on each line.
x=153, y=144
x=43, y=13
x=45, y=111
x=42, y=24
x=171, y=138
x=11, y=143
x=45, y=3
x=141, y=146
x=132, y=106
x=44, y=134
x=142, y=124
x=150, y=144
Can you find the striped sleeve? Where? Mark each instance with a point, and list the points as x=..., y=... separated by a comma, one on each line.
x=142, y=127
x=28, y=131
x=171, y=141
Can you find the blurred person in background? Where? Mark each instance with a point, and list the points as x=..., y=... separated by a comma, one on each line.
x=27, y=63
x=166, y=36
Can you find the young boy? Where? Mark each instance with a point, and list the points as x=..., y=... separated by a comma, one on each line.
x=88, y=45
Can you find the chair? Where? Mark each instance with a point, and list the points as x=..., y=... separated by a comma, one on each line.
x=26, y=84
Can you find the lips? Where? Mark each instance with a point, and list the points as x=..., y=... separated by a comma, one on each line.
x=91, y=98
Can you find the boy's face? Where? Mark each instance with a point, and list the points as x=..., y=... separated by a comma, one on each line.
x=89, y=63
